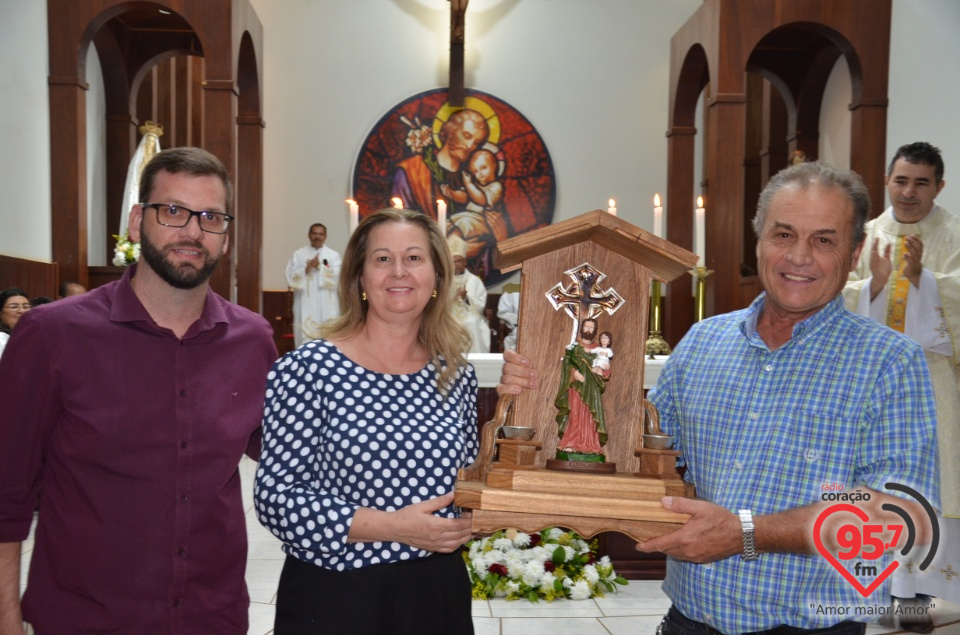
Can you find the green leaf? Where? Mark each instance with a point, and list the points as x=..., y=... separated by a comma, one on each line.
x=620, y=580
x=559, y=555
x=558, y=585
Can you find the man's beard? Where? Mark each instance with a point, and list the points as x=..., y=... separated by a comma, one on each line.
x=587, y=337
x=183, y=276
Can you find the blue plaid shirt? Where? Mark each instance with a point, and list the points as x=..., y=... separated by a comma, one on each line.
x=845, y=401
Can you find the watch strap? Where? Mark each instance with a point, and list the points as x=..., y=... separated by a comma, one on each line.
x=749, y=537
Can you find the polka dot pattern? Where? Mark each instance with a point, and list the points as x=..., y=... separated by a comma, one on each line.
x=337, y=437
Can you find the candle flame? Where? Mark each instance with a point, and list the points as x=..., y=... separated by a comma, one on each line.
x=656, y=200
x=397, y=202
x=350, y=201
x=611, y=203
x=699, y=201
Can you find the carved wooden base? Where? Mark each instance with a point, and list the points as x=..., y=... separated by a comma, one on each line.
x=487, y=522
x=588, y=503
x=587, y=467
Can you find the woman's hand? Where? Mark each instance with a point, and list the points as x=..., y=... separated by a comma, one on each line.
x=413, y=525
x=421, y=529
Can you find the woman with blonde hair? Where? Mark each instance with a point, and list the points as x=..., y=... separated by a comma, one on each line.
x=364, y=431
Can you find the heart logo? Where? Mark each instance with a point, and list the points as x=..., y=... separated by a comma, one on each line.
x=862, y=515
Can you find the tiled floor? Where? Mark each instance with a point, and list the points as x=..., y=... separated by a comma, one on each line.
x=635, y=610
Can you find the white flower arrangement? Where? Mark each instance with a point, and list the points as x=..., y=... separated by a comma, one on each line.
x=551, y=564
x=126, y=252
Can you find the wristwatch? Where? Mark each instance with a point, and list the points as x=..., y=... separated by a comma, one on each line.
x=749, y=540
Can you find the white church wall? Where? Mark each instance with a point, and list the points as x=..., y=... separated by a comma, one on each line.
x=24, y=131
x=605, y=133
x=331, y=69
x=925, y=84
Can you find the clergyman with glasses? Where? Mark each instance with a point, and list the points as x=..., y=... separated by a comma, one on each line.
x=127, y=411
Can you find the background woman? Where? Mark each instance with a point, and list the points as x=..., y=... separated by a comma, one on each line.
x=364, y=431
x=13, y=304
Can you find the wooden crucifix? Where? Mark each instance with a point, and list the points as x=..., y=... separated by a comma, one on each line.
x=456, y=95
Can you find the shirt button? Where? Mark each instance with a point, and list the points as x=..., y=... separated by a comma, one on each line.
x=183, y=393
x=182, y=553
x=812, y=455
x=183, y=499
x=738, y=465
x=183, y=445
x=768, y=367
x=754, y=416
x=177, y=602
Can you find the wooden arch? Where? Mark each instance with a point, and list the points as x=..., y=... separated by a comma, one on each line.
x=750, y=129
x=210, y=96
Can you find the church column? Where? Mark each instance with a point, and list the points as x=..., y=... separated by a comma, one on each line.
x=723, y=198
x=68, y=176
x=678, y=303
x=867, y=153
x=250, y=200
x=220, y=138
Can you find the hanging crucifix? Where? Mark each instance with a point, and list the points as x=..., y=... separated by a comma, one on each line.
x=581, y=425
x=458, y=18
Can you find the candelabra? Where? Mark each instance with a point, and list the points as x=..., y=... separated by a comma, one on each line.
x=701, y=273
x=656, y=345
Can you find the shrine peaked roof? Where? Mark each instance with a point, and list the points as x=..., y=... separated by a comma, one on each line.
x=666, y=260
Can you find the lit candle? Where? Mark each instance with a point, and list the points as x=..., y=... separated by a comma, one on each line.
x=657, y=217
x=354, y=214
x=700, y=226
x=613, y=207
x=442, y=215
x=397, y=202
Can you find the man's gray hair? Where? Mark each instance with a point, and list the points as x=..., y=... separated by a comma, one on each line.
x=805, y=174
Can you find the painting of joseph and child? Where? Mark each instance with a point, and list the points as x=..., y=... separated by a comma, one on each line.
x=485, y=161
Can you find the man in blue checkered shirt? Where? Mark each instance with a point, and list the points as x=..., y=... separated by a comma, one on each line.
x=772, y=407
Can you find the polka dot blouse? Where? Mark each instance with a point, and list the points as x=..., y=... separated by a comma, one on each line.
x=337, y=437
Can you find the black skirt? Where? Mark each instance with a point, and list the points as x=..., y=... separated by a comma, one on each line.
x=418, y=597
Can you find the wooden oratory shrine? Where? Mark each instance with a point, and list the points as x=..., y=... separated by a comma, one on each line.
x=594, y=268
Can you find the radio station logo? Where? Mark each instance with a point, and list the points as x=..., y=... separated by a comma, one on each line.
x=864, y=543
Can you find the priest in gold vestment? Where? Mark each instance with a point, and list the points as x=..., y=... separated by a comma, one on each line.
x=908, y=277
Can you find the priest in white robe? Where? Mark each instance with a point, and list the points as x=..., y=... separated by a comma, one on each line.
x=908, y=277
x=508, y=310
x=471, y=298
x=312, y=274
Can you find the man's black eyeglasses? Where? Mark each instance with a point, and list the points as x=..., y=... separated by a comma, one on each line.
x=179, y=216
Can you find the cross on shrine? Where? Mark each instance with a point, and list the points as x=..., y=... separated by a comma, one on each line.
x=583, y=299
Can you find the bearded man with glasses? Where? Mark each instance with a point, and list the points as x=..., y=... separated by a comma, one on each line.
x=129, y=408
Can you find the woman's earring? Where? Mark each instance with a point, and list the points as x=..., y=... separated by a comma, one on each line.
x=434, y=293
x=363, y=296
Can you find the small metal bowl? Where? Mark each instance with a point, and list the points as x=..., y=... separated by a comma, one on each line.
x=657, y=441
x=517, y=432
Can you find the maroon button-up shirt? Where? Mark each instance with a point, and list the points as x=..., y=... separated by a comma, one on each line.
x=129, y=439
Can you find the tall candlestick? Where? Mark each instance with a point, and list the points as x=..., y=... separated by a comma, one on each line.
x=700, y=226
x=442, y=215
x=354, y=214
x=613, y=207
x=657, y=217
x=397, y=202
